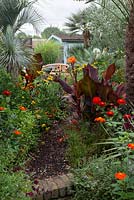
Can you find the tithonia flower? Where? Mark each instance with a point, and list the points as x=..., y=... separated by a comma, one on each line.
x=120, y=175
x=131, y=146
x=22, y=108
x=110, y=113
x=102, y=104
x=96, y=100
x=100, y=119
x=71, y=60
x=6, y=93
x=17, y=132
x=2, y=108
x=127, y=116
x=121, y=101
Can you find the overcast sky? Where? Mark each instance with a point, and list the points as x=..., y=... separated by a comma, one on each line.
x=55, y=12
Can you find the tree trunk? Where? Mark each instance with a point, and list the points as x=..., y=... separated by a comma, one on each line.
x=129, y=46
x=86, y=37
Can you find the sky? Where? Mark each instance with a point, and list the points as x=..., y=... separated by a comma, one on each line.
x=55, y=13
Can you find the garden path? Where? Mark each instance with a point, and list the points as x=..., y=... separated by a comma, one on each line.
x=50, y=159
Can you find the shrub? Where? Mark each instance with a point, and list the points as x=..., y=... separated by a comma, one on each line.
x=94, y=181
x=50, y=51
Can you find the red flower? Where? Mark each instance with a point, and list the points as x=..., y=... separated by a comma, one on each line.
x=110, y=113
x=102, y=104
x=100, y=119
x=60, y=140
x=127, y=116
x=22, y=108
x=6, y=93
x=36, y=181
x=121, y=101
x=74, y=122
x=17, y=132
x=120, y=175
x=2, y=108
x=29, y=194
x=96, y=100
x=131, y=146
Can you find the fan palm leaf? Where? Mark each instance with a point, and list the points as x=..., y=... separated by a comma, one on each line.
x=13, y=54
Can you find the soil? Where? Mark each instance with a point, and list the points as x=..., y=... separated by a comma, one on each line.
x=49, y=159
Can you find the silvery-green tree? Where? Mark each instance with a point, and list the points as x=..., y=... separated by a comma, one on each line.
x=13, y=15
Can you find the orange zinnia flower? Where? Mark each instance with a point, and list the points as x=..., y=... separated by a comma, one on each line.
x=2, y=108
x=131, y=146
x=100, y=119
x=17, y=132
x=120, y=175
x=22, y=108
x=71, y=60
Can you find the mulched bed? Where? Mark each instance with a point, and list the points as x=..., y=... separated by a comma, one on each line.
x=49, y=159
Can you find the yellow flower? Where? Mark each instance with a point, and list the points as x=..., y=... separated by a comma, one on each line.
x=23, y=97
x=38, y=116
x=50, y=78
x=47, y=128
x=43, y=125
x=33, y=102
x=40, y=72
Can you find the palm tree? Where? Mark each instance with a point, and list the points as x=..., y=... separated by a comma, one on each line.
x=126, y=7
x=80, y=23
x=13, y=15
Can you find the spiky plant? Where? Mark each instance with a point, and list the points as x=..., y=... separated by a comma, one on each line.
x=13, y=54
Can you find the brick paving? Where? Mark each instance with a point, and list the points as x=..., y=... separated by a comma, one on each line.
x=56, y=187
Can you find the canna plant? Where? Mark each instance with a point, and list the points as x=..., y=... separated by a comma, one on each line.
x=83, y=91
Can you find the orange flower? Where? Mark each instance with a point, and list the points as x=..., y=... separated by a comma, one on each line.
x=131, y=146
x=100, y=119
x=120, y=175
x=71, y=60
x=22, y=108
x=2, y=108
x=17, y=132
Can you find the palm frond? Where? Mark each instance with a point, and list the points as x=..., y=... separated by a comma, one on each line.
x=13, y=54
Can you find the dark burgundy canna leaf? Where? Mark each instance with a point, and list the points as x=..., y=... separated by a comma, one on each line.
x=109, y=72
x=120, y=90
x=92, y=72
x=64, y=85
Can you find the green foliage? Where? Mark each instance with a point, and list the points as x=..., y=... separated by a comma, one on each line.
x=95, y=180
x=14, y=186
x=50, y=51
x=47, y=32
